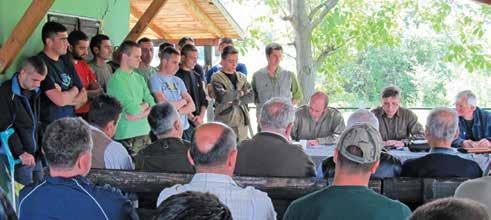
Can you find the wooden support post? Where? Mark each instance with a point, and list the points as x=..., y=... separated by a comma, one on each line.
x=152, y=25
x=22, y=31
x=145, y=19
x=198, y=13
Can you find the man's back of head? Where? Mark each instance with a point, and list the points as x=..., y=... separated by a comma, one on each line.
x=67, y=146
x=214, y=149
x=362, y=116
x=164, y=121
x=104, y=113
x=277, y=114
x=441, y=127
x=357, y=154
x=450, y=209
x=193, y=205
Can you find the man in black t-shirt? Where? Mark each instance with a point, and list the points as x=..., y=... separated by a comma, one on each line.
x=62, y=90
x=194, y=85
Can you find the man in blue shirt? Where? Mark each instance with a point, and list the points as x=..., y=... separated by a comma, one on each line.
x=474, y=123
x=66, y=193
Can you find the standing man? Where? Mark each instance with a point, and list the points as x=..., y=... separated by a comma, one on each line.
x=79, y=45
x=144, y=68
x=274, y=81
x=224, y=42
x=396, y=124
x=474, y=123
x=317, y=123
x=232, y=93
x=101, y=48
x=357, y=156
x=20, y=110
x=130, y=88
x=62, y=89
x=197, y=68
x=166, y=87
x=192, y=80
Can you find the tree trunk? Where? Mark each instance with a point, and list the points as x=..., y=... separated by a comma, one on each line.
x=303, y=46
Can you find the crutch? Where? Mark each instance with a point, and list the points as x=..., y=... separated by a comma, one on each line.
x=4, y=137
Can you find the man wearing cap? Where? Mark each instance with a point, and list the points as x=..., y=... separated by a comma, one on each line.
x=356, y=156
x=442, y=161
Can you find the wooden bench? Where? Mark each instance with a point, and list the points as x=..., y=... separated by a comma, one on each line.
x=411, y=191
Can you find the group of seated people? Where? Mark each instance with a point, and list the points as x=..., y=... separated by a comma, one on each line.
x=135, y=116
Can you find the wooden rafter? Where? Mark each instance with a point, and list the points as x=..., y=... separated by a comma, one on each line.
x=198, y=13
x=22, y=31
x=155, y=28
x=145, y=19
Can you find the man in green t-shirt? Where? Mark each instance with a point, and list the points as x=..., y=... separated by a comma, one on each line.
x=357, y=155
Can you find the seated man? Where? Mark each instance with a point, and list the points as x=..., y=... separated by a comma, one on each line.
x=213, y=153
x=357, y=157
x=103, y=118
x=396, y=124
x=169, y=152
x=474, y=123
x=442, y=161
x=317, y=123
x=66, y=193
x=166, y=87
x=269, y=152
x=389, y=166
x=450, y=209
x=193, y=205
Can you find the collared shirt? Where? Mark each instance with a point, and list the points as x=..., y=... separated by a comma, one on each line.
x=403, y=125
x=443, y=150
x=326, y=130
x=244, y=203
x=481, y=127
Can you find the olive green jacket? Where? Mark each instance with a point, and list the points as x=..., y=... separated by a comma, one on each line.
x=326, y=131
x=230, y=107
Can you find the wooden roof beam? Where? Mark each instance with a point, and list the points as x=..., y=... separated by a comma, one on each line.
x=145, y=19
x=155, y=28
x=202, y=17
x=22, y=31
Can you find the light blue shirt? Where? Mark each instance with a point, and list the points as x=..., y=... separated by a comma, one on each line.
x=173, y=87
x=244, y=203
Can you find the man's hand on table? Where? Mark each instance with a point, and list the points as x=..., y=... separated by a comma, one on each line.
x=311, y=143
x=394, y=143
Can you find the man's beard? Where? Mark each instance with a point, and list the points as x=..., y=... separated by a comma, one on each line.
x=76, y=56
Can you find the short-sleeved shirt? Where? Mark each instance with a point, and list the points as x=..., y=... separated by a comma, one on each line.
x=87, y=76
x=102, y=73
x=63, y=73
x=172, y=87
x=347, y=203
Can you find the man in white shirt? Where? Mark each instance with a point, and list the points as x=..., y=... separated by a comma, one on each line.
x=214, y=153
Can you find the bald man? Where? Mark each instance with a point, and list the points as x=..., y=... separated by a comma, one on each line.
x=317, y=123
x=213, y=153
